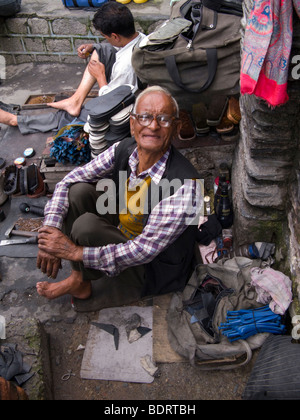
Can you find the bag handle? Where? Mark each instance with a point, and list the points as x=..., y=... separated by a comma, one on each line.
x=217, y=364
x=212, y=61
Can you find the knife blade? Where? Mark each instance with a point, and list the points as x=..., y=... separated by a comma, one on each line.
x=6, y=242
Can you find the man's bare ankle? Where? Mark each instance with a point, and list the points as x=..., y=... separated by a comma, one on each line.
x=8, y=119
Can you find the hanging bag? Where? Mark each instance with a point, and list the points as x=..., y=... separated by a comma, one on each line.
x=203, y=59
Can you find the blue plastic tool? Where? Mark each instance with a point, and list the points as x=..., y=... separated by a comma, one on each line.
x=244, y=323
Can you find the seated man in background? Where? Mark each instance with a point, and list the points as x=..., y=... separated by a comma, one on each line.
x=109, y=66
x=146, y=246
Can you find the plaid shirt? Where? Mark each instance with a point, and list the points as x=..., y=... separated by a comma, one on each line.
x=166, y=222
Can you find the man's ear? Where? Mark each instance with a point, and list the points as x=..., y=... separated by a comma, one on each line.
x=132, y=126
x=117, y=39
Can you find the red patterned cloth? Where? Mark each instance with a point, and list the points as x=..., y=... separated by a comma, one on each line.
x=266, y=50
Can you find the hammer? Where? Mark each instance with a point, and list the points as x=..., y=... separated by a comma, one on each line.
x=11, y=231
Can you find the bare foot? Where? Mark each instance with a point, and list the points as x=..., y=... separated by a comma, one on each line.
x=73, y=285
x=71, y=105
x=8, y=118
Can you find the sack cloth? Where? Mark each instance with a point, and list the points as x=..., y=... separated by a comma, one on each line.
x=202, y=61
x=195, y=314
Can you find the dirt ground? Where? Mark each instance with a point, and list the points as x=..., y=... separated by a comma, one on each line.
x=176, y=381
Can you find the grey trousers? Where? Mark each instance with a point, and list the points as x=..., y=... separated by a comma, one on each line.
x=50, y=121
x=87, y=228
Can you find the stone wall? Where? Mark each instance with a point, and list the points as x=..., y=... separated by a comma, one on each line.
x=27, y=39
x=266, y=174
x=54, y=36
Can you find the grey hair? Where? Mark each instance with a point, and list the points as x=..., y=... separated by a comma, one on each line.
x=161, y=90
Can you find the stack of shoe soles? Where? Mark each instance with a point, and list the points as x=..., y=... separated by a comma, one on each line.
x=96, y=133
x=108, y=118
x=119, y=126
x=103, y=135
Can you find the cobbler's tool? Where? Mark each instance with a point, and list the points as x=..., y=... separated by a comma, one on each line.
x=12, y=231
x=7, y=242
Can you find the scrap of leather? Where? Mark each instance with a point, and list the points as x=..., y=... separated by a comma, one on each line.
x=111, y=329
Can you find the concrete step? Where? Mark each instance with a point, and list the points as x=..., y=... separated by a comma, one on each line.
x=46, y=31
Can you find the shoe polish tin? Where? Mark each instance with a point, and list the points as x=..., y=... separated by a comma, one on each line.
x=29, y=152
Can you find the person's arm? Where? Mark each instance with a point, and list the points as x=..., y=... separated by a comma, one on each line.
x=97, y=70
x=57, y=208
x=166, y=223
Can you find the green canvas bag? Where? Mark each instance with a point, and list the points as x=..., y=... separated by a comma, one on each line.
x=202, y=60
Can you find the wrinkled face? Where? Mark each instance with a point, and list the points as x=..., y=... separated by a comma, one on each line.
x=155, y=138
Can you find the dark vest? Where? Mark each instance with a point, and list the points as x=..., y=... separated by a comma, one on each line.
x=171, y=269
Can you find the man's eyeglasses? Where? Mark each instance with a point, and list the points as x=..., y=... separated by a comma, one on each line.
x=145, y=120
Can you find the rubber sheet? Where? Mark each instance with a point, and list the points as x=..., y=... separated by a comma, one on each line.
x=102, y=361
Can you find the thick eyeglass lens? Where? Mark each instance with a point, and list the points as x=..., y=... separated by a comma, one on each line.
x=146, y=119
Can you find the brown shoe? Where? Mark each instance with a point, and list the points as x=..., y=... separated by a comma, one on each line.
x=187, y=131
x=233, y=110
x=200, y=117
x=225, y=127
x=216, y=110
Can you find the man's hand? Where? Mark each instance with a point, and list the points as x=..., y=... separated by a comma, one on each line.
x=85, y=50
x=53, y=242
x=97, y=70
x=48, y=264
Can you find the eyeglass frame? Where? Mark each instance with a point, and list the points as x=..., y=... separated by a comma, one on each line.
x=154, y=117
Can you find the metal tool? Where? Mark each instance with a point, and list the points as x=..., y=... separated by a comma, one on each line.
x=67, y=376
x=26, y=208
x=11, y=231
x=5, y=242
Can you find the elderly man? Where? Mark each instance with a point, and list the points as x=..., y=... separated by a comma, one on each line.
x=147, y=246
